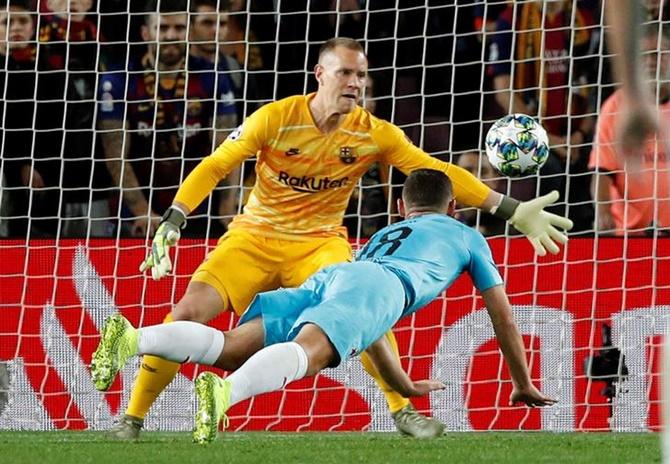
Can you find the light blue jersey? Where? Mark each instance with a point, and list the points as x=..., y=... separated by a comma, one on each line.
x=401, y=269
x=428, y=252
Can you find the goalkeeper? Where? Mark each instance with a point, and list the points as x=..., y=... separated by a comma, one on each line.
x=311, y=151
x=338, y=313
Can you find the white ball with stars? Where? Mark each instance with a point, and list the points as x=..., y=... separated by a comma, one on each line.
x=517, y=145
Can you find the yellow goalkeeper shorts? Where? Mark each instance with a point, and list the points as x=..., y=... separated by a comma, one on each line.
x=243, y=264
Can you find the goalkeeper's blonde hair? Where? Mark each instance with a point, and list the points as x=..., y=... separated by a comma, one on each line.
x=346, y=42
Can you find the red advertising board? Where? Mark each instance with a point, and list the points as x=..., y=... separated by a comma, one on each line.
x=53, y=295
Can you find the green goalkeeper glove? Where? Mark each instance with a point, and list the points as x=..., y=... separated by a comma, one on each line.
x=166, y=236
x=539, y=226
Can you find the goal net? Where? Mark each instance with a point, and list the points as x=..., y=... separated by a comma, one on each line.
x=105, y=112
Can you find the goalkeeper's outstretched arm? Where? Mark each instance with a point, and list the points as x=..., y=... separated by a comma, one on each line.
x=543, y=229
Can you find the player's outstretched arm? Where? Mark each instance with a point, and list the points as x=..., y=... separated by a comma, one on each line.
x=167, y=235
x=388, y=366
x=511, y=345
x=624, y=18
x=638, y=118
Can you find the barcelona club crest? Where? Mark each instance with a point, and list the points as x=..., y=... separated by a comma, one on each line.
x=347, y=155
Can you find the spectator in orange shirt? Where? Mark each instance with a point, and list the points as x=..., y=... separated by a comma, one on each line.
x=638, y=201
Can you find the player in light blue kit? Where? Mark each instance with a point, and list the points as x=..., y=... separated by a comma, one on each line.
x=337, y=313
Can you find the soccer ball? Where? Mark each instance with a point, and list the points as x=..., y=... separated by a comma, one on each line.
x=517, y=145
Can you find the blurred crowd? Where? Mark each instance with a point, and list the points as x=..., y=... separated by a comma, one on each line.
x=108, y=105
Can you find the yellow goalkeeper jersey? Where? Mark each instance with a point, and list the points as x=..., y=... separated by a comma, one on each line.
x=304, y=178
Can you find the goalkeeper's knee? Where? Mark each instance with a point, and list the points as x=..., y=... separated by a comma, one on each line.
x=201, y=303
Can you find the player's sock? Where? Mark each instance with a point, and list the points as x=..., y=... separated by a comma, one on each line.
x=154, y=375
x=394, y=400
x=182, y=341
x=270, y=369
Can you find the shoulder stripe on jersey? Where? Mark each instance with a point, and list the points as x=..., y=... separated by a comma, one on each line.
x=290, y=128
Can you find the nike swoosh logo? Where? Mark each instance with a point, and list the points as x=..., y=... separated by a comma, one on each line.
x=146, y=367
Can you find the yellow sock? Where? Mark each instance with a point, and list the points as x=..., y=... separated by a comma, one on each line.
x=395, y=401
x=154, y=375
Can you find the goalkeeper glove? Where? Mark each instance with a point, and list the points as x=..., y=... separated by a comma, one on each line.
x=539, y=226
x=166, y=236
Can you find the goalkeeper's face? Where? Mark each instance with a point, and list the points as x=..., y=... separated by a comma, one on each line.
x=341, y=74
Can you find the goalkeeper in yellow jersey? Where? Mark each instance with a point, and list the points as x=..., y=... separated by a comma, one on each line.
x=311, y=150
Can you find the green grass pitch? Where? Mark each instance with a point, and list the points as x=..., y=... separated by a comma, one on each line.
x=341, y=448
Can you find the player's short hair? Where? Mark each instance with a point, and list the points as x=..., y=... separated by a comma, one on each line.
x=427, y=188
x=346, y=42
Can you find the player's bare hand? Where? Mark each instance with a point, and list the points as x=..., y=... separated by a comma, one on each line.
x=531, y=396
x=423, y=387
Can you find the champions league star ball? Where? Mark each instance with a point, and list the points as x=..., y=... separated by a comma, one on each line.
x=517, y=145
